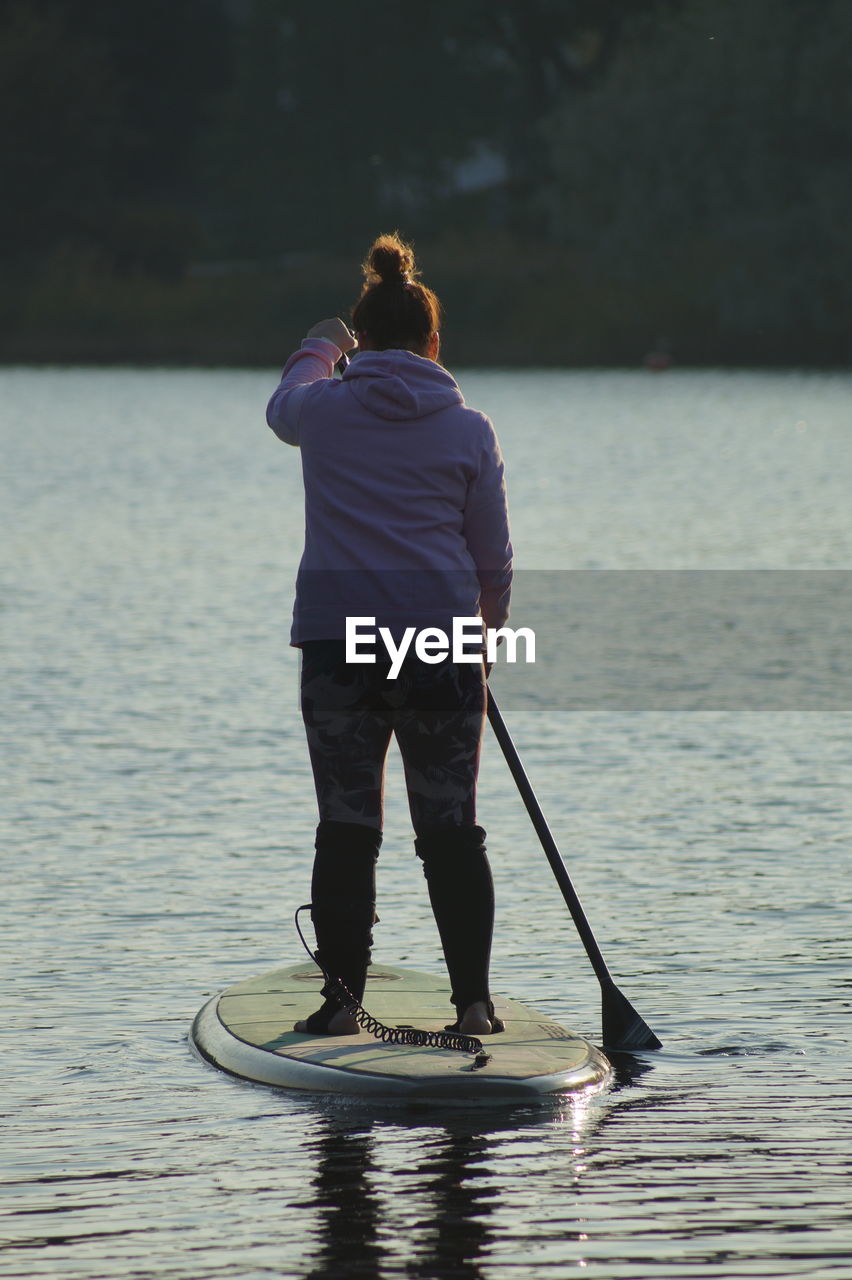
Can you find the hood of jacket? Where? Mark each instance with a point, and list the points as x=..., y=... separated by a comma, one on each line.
x=400, y=384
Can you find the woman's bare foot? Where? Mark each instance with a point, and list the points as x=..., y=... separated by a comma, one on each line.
x=340, y=1024
x=475, y=1021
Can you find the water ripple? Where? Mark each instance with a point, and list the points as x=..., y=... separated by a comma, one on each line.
x=157, y=834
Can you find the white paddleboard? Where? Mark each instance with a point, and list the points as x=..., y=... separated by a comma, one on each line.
x=247, y=1031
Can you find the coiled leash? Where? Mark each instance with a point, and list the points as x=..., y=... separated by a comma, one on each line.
x=334, y=989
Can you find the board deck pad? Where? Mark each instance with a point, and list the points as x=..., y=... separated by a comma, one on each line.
x=247, y=1030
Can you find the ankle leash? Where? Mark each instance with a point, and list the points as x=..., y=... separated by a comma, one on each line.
x=334, y=989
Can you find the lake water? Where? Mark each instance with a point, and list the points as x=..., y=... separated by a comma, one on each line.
x=158, y=818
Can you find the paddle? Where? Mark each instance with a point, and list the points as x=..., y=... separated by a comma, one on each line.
x=623, y=1028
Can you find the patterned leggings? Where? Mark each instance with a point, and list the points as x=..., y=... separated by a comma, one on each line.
x=436, y=711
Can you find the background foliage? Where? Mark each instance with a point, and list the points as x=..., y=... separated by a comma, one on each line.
x=584, y=179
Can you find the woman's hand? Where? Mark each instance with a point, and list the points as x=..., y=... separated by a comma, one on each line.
x=335, y=331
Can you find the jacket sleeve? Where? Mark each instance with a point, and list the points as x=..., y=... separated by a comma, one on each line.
x=486, y=531
x=314, y=360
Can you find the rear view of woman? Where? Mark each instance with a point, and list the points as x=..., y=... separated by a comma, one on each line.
x=406, y=526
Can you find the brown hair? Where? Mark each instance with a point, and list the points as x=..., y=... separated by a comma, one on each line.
x=395, y=310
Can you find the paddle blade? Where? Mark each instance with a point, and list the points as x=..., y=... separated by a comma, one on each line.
x=623, y=1029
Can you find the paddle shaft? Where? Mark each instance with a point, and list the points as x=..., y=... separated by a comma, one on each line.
x=554, y=857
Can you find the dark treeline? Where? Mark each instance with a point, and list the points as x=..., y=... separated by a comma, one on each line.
x=584, y=179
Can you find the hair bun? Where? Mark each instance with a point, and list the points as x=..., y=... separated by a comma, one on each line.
x=390, y=260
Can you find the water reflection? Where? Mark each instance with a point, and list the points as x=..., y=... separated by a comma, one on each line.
x=627, y=1069
x=383, y=1181
x=348, y=1209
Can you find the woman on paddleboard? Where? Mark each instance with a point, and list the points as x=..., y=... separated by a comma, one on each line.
x=406, y=530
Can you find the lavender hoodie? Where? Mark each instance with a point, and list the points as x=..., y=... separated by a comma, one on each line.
x=405, y=503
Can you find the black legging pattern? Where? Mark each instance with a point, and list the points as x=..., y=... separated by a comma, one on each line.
x=437, y=713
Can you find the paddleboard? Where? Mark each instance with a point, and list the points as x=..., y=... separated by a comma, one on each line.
x=247, y=1031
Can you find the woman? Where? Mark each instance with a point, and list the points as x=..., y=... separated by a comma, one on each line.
x=406, y=526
